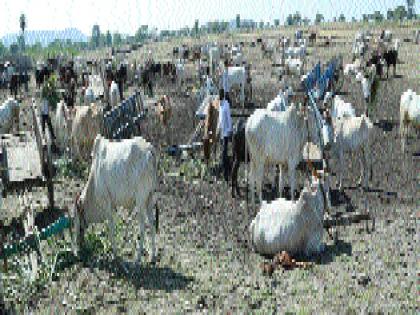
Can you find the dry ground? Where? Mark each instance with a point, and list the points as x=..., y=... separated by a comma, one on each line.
x=205, y=263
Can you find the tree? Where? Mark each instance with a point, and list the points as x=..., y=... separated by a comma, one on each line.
x=319, y=18
x=22, y=22
x=306, y=21
x=289, y=20
x=297, y=18
x=341, y=18
x=378, y=17
x=196, y=28
x=353, y=19
x=238, y=21
x=96, y=35
x=276, y=22
x=261, y=25
x=3, y=49
x=117, y=39
x=390, y=14
x=108, y=39
x=400, y=13
x=14, y=48
x=365, y=17
x=410, y=9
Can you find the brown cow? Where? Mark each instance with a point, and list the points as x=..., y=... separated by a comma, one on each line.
x=210, y=128
x=164, y=110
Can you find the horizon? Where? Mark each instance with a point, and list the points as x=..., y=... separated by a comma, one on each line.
x=125, y=20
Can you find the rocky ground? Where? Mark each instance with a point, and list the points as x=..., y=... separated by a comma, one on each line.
x=205, y=263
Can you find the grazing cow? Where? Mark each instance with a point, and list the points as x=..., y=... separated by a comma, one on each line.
x=409, y=114
x=295, y=227
x=87, y=123
x=123, y=174
x=278, y=138
x=9, y=115
x=210, y=129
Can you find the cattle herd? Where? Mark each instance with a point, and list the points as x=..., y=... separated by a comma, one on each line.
x=125, y=172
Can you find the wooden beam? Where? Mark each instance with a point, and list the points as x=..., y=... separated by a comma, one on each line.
x=346, y=219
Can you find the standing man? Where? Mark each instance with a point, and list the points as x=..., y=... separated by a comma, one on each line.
x=225, y=79
x=45, y=115
x=224, y=127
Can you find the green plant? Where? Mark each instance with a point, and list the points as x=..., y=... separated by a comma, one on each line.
x=49, y=91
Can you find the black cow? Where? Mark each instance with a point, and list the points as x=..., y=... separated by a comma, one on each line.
x=238, y=149
x=391, y=57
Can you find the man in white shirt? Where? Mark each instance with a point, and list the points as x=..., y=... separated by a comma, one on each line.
x=224, y=127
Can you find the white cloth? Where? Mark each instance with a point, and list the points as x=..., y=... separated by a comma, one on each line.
x=366, y=88
x=44, y=107
x=225, y=120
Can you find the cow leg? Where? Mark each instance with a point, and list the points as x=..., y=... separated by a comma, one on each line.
x=140, y=245
x=152, y=221
x=234, y=176
x=340, y=176
x=281, y=180
x=259, y=179
x=292, y=179
x=113, y=235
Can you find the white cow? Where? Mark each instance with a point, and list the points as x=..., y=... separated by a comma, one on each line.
x=387, y=36
x=237, y=77
x=214, y=58
x=409, y=114
x=89, y=96
x=9, y=115
x=342, y=109
x=294, y=65
x=114, y=94
x=278, y=138
x=295, y=227
x=123, y=174
x=87, y=123
x=180, y=73
x=281, y=102
x=62, y=125
x=353, y=68
x=352, y=134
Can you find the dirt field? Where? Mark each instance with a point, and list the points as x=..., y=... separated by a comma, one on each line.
x=205, y=264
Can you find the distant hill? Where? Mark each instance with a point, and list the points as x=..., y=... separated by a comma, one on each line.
x=46, y=37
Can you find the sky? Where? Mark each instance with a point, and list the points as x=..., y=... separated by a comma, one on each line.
x=128, y=15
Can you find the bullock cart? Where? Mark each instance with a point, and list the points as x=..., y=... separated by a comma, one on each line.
x=26, y=163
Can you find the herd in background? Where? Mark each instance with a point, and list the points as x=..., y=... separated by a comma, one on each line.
x=294, y=226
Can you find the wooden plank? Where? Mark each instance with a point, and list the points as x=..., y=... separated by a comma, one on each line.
x=346, y=219
x=23, y=162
